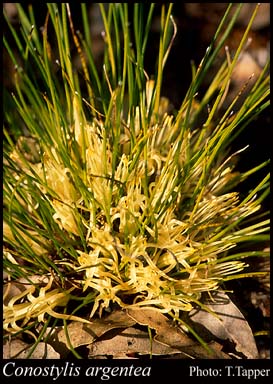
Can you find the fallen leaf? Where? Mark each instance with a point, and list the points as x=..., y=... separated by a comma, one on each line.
x=84, y=334
x=261, y=300
x=130, y=341
x=17, y=349
x=229, y=324
x=13, y=348
x=168, y=333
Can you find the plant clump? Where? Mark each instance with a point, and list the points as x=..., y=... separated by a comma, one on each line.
x=114, y=199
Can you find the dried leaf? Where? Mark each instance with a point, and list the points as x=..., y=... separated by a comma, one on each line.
x=12, y=349
x=167, y=332
x=261, y=300
x=172, y=335
x=229, y=324
x=129, y=341
x=17, y=349
x=84, y=334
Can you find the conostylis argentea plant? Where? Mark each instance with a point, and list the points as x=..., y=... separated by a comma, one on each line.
x=109, y=199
